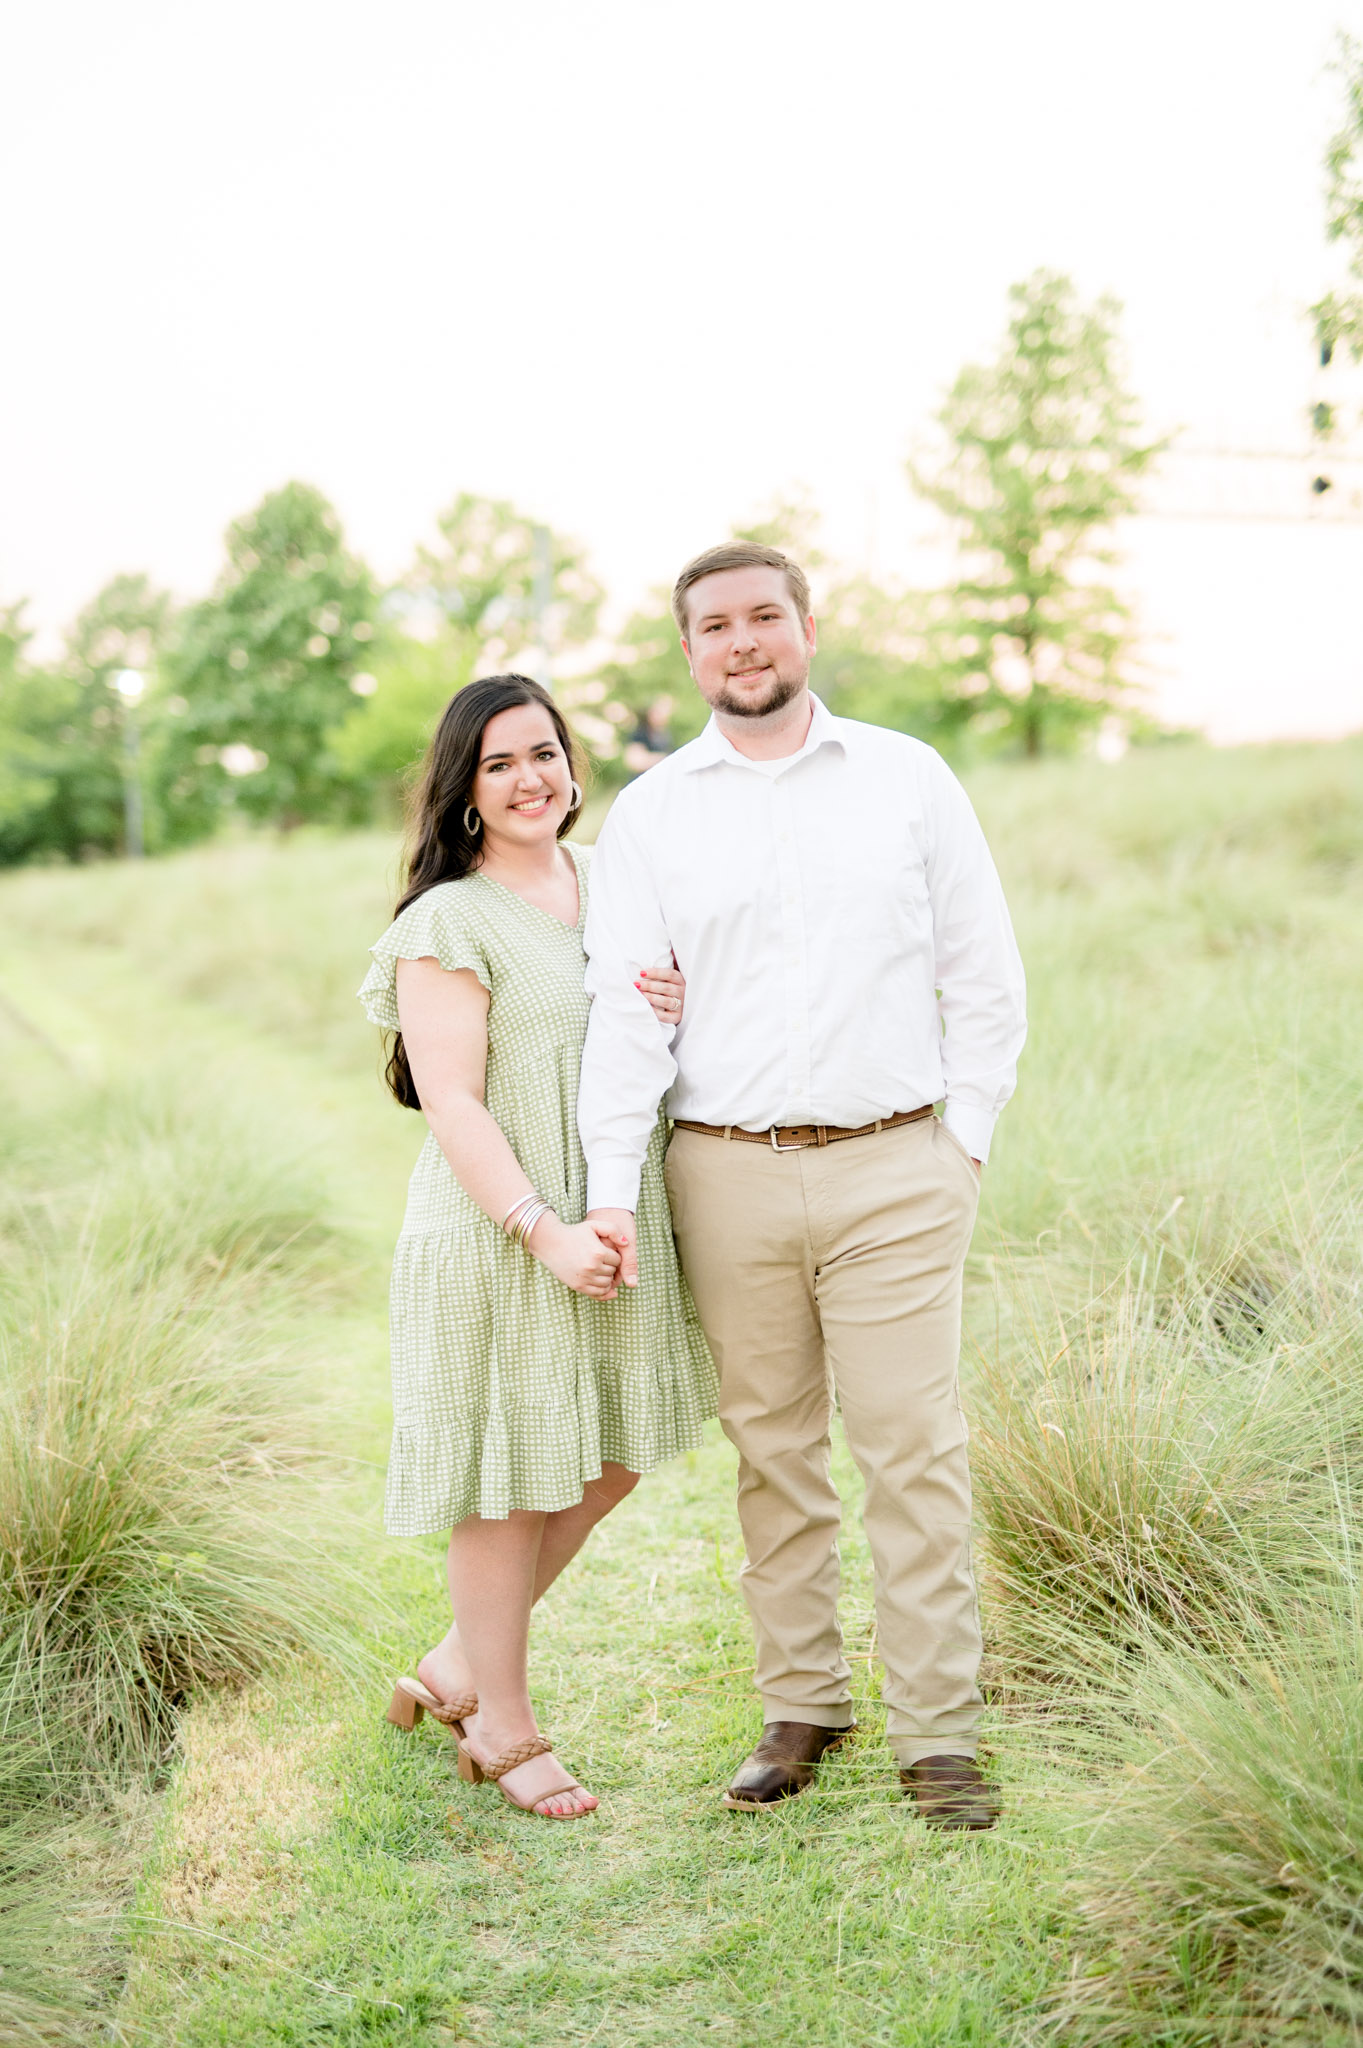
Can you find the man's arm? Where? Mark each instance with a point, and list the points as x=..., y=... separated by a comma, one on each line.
x=982, y=999
x=627, y=1063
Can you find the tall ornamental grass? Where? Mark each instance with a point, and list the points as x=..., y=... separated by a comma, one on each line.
x=147, y=1455
x=1223, y=1882
x=160, y=1524
x=1172, y=1448
x=56, y=1929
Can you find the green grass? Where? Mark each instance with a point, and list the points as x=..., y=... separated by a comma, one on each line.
x=840, y=1920
x=1163, y=1367
x=1227, y=1867
x=161, y=1488
x=151, y=1424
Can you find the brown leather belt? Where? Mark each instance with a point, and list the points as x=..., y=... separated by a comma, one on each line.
x=796, y=1137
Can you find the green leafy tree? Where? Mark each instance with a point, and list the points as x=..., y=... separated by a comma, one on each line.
x=499, y=585
x=383, y=738
x=263, y=672
x=26, y=786
x=63, y=728
x=1339, y=315
x=881, y=658
x=642, y=701
x=505, y=582
x=1044, y=449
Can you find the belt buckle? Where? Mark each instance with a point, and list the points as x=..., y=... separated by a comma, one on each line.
x=796, y=1147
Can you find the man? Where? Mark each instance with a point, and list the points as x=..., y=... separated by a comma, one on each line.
x=829, y=896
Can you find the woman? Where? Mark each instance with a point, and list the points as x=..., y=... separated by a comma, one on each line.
x=530, y=1391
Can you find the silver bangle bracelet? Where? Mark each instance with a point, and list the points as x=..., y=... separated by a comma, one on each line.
x=536, y=1216
x=523, y=1203
x=527, y=1220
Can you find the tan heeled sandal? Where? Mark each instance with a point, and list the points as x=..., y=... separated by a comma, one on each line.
x=411, y=1699
x=496, y=1768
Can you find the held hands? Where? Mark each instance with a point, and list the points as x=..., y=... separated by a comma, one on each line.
x=616, y=1228
x=581, y=1255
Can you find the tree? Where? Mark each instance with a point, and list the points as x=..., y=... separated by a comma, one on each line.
x=642, y=702
x=1339, y=315
x=496, y=583
x=382, y=739
x=63, y=728
x=881, y=659
x=505, y=582
x=264, y=669
x=1044, y=448
x=26, y=786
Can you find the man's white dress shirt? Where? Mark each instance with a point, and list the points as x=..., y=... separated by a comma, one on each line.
x=843, y=934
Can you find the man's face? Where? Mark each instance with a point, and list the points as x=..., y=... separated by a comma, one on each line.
x=748, y=647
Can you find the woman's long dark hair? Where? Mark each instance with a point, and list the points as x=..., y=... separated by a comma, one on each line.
x=439, y=846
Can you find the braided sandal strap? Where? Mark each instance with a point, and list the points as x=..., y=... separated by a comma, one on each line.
x=455, y=1710
x=519, y=1753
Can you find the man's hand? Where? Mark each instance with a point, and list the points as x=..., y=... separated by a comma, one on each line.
x=616, y=1227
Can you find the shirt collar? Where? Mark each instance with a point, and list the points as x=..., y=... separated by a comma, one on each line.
x=712, y=746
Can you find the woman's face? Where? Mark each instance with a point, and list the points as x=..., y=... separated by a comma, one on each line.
x=522, y=789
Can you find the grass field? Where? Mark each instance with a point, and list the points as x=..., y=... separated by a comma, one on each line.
x=1164, y=1372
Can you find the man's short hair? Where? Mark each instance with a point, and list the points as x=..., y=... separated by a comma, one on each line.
x=739, y=554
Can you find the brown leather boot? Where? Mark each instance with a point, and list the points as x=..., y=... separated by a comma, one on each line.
x=782, y=1764
x=951, y=1792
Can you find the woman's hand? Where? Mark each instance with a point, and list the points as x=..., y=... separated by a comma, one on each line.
x=664, y=989
x=578, y=1255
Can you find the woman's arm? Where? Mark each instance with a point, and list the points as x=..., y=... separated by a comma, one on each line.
x=444, y=1029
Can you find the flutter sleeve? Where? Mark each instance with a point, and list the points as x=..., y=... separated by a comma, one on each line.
x=435, y=927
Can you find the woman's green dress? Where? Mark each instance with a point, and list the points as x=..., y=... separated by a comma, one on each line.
x=509, y=1390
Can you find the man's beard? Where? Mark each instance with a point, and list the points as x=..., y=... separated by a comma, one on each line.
x=783, y=691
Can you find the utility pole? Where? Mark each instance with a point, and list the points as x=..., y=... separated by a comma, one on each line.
x=130, y=685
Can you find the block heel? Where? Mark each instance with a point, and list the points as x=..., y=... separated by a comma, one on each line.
x=411, y=1699
x=404, y=1711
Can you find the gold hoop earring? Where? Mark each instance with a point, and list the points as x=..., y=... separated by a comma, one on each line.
x=473, y=824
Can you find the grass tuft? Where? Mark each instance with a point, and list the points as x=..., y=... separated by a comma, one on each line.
x=143, y=1447
x=1173, y=1449
x=1226, y=1873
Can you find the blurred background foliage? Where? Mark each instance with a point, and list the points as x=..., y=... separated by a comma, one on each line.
x=299, y=690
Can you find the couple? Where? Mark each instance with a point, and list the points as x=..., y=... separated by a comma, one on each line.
x=825, y=890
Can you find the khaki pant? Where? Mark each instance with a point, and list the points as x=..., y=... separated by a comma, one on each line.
x=839, y=1268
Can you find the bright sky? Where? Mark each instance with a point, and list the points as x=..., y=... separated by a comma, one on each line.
x=640, y=267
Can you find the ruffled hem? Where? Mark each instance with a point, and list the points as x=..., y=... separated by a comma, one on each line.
x=436, y=1479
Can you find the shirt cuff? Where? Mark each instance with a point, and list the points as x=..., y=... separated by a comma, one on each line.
x=974, y=1127
x=613, y=1184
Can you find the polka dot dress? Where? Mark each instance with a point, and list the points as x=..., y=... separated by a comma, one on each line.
x=509, y=1390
